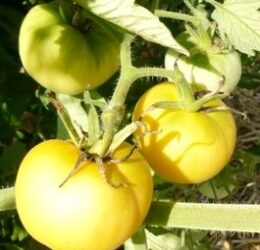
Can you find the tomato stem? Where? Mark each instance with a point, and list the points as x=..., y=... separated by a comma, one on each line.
x=179, y=16
x=113, y=114
x=204, y=216
x=184, y=89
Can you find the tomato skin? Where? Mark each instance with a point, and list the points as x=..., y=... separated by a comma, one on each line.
x=62, y=58
x=205, y=70
x=85, y=213
x=184, y=147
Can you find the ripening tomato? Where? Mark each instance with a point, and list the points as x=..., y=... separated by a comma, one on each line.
x=86, y=213
x=63, y=58
x=206, y=69
x=184, y=147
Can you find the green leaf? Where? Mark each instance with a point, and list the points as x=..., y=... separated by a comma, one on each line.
x=19, y=233
x=94, y=129
x=62, y=132
x=167, y=241
x=7, y=199
x=73, y=116
x=97, y=100
x=199, y=12
x=135, y=19
x=121, y=135
x=137, y=242
x=239, y=20
x=144, y=240
x=221, y=185
x=10, y=246
x=214, y=190
x=12, y=156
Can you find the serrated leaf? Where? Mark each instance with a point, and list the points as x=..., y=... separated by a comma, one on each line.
x=239, y=21
x=135, y=19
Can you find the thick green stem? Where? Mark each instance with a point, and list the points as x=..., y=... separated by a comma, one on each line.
x=113, y=115
x=222, y=217
x=7, y=199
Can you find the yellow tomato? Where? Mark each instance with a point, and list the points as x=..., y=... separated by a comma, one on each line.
x=85, y=213
x=184, y=147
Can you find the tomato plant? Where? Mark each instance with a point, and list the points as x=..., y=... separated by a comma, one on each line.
x=64, y=58
x=181, y=146
x=207, y=69
x=102, y=201
x=86, y=212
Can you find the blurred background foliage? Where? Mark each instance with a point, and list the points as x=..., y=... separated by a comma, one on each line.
x=26, y=118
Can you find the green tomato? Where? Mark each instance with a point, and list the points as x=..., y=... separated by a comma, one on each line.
x=206, y=70
x=181, y=146
x=86, y=213
x=62, y=58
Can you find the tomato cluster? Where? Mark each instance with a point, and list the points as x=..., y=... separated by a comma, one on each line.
x=102, y=205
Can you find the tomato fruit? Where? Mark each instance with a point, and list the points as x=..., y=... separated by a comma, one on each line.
x=184, y=147
x=205, y=70
x=86, y=213
x=63, y=58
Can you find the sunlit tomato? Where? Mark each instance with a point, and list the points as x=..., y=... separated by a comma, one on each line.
x=63, y=58
x=181, y=146
x=86, y=213
x=206, y=70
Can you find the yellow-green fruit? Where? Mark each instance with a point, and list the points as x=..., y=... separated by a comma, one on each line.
x=86, y=213
x=62, y=58
x=207, y=70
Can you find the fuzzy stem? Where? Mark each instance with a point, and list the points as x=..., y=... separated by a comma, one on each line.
x=221, y=217
x=7, y=199
x=184, y=89
x=113, y=115
x=178, y=16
